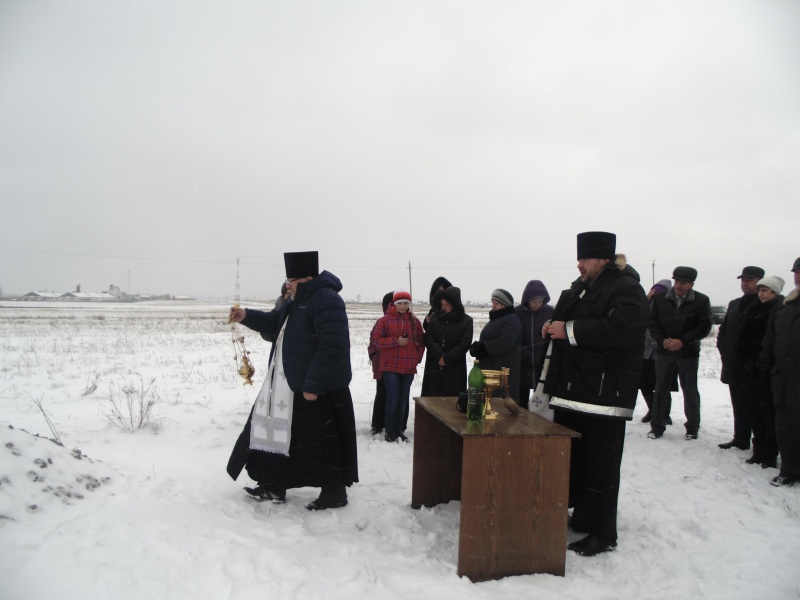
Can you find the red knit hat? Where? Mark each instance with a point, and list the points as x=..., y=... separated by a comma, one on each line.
x=401, y=294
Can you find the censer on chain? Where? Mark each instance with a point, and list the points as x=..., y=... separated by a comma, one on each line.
x=241, y=354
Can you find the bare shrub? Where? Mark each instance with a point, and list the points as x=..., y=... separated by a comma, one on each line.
x=91, y=385
x=56, y=436
x=137, y=410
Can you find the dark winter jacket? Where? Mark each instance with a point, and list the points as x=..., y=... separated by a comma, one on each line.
x=728, y=334
x=316, y=347
x=781, y=351
x=439, y=285
x=534, y=345
x=688, y=321
x=449, y=336
x=598, y=371
x=499, y=347
x=748, y=348
x=394, y=357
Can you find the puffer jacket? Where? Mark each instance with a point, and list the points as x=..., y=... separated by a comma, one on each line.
x=533, y=345
x=394, y=357
x=316, y=346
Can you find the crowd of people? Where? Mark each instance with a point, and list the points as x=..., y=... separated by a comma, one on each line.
x=605, y=340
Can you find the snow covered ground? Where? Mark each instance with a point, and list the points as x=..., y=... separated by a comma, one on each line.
x=152, y=514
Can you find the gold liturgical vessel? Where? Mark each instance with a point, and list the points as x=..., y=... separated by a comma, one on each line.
x=493, y=380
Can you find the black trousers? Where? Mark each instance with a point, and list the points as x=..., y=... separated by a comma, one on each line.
x=741, y=413
x=594, y=471
x=761, y=417
x=379, y=405
x=787, y=430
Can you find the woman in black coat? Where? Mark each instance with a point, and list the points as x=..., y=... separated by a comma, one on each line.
x=755, y=385
x=499, y=344
x=447, y=340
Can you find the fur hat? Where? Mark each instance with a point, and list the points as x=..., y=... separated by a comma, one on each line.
x=597, y=244
x=772, y=282
x=401, y=294
x=684, y=274
x=503, y=297
x=301, y=264
x=752, y=272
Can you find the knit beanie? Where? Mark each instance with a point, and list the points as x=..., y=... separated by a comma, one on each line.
x=503, y=297
x=401, y=294
x=772, y=282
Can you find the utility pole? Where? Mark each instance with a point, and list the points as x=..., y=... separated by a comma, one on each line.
x=409, y=279
x=238, y=289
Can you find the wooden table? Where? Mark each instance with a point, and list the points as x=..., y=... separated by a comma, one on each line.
x=512, y=477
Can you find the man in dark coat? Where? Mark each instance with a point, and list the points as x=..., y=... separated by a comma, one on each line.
x=447, y=341
x=780, y=355
x=533, y=311
x=732, y=369
x=301, y=431
x=679, y=320
x=598, y=339
x=499, y=342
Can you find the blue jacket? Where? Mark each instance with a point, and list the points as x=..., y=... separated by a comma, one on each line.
x=316, y=345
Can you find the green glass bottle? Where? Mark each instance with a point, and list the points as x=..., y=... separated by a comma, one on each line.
x=476, y=394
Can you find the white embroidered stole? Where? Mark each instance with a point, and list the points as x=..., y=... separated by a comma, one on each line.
x=271, y=424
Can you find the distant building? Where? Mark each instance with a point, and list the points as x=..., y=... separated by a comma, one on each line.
x=42, y=296
x=88, y=296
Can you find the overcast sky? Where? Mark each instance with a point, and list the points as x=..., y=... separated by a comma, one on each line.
x=155, y=142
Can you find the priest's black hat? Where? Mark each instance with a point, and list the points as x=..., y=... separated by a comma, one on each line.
x=597, y=244
x=301, y=264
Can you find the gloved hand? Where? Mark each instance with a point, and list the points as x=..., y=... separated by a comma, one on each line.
x=477, y=350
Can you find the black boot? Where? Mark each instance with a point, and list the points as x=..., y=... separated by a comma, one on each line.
x=592, y=545
x=262, y=493
x=331, y=496
x=646, y=417
x=734, y=443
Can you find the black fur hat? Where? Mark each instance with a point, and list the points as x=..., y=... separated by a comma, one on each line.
x=301, y=264
x=597, y=244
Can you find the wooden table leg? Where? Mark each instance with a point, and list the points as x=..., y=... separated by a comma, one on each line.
x=437, y=461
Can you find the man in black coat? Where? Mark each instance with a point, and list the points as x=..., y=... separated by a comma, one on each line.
x=301, y=431
x=598, y=340
x=732, y=369
x=679, y=320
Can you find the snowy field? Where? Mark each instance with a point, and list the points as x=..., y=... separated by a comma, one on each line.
x=152, y=513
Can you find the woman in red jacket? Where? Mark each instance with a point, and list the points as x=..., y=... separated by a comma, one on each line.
x=398, y=335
